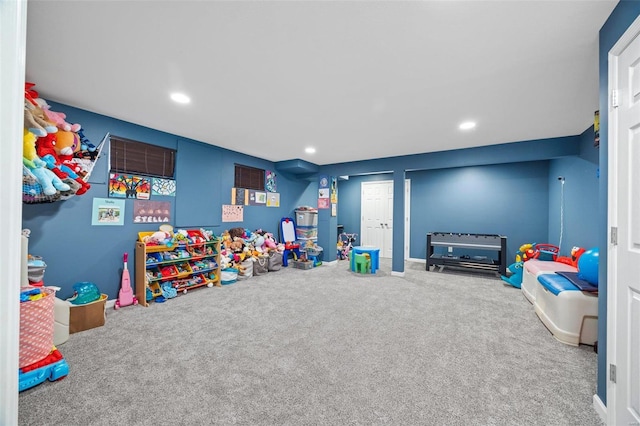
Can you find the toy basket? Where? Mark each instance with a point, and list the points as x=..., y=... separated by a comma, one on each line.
x=228, y=276
x=36, y=328
x=32, y=192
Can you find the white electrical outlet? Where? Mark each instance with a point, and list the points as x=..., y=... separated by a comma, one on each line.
x=450, y=249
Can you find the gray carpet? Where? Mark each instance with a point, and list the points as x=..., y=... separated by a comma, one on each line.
x=324, y=347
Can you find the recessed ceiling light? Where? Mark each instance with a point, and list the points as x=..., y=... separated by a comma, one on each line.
x=467, y=125
x=180, y=98
x=310, y=150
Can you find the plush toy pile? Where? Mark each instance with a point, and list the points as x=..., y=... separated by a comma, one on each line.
x=57, y=157
x=240, y=244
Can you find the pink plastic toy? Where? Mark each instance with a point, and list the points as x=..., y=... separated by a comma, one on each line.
x=125, y=297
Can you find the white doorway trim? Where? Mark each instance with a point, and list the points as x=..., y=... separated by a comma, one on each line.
x=407, y=218
x=13, y=34
x=613, y=287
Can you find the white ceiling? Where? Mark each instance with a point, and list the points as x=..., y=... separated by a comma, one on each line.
x=355, y=79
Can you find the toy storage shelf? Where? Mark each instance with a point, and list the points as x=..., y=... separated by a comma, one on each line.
x=185, y=266
x=486, y=242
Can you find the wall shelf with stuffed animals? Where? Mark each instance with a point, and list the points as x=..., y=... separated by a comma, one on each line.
x=57, y=158
x=168, y=263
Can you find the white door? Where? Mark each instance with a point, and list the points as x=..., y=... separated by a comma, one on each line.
x=623, y=322
x=376, y=226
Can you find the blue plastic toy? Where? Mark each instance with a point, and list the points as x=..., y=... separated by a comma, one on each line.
x=515, y=279
x=56, y=371
x=85, y=292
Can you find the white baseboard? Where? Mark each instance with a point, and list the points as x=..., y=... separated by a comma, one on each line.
x=600, y=408
x=413, y=259
x=109, y=304
x=331, y=263
x=397, y=274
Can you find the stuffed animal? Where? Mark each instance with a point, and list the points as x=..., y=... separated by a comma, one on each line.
x=35, y=123
x=49, y=181
x=47, y=149
x=87, y=149
x=236, y=233
x=237, y=245
x=159, y=238
x=208, y=234
x=258, y=243
x=269, y=241
x=56, y=118
x=34, y=118
x=572, y=260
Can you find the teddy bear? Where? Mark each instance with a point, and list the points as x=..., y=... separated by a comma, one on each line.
x=34, y=121
x=57, y=118
x=49, y=181
x=237, y=233
x=34, y=118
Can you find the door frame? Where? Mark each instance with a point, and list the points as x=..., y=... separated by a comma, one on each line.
x=612, y=209
x=13, y=31
x=407, y=213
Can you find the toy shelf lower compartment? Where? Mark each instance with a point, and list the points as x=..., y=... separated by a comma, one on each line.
x=461, y=262
x=195, y=281
x=496, y=244
x=209, y=278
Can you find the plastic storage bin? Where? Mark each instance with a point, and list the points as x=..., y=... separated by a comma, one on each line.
x=306, y=223
x=306, y=217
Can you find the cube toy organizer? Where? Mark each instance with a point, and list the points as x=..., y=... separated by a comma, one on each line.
x=570, y=314
x=533, y=268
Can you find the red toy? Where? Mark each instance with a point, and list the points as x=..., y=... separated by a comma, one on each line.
x=125, y=297
x=576, y=252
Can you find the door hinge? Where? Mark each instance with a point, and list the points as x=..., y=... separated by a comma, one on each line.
x=612, y=373
x=614, y=98
x=614, y=235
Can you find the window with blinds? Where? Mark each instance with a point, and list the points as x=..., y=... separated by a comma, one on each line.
x=249, y=177
x=129, y=156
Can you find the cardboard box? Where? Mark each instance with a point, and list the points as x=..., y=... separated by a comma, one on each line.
x=87, y=316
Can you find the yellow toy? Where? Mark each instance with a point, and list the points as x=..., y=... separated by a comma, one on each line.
x=46, y=178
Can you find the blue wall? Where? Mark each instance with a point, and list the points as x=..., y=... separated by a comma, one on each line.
x=517, y=152
x=620, y=19
x=74, y=250
x=580, y=198
x=518, y=200
x=504, y=199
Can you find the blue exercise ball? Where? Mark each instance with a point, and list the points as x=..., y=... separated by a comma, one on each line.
x=588, y=266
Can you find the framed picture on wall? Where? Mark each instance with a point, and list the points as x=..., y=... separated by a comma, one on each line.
x=596, y=129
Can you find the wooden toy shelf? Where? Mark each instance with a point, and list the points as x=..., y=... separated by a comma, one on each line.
x=185, y=266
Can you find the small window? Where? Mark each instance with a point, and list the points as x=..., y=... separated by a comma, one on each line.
x=249, y=178
x=129, y=156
